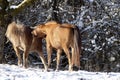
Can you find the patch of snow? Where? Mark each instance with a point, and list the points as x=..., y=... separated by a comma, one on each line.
x=13, y=72
x=8, y=0
x=90, y=0
x=13, y=7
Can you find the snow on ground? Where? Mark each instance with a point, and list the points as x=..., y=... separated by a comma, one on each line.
x=13, y=72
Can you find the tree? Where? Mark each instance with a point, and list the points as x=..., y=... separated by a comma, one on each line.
x=6, y=14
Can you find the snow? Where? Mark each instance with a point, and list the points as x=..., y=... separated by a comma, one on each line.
x=13, y=72
x=91, y=0
x=13, y=7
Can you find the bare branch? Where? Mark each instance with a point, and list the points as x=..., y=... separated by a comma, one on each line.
x=21, y=6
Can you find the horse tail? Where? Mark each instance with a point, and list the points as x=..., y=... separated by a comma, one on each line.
x=77, y=47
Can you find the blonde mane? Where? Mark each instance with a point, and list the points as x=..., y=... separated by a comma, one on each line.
x=67, y=25
x=51, y=22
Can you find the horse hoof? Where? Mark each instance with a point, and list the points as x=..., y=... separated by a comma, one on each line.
x=25, y=67
x=46, y=70
x=56, y=70
x=70, y=70
x=20, y=65
x=75, y=68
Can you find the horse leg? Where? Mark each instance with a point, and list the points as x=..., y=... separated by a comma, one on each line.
x=18, y=55
x=73, y=56
x=43, y=60
x=66, y=50
x=49, y=52
x=25, y=58
x=58, y=58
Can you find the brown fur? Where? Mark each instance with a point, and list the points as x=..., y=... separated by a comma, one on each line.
x=21, y=38
x=68, y=25
x=61, y=37
x=51, y=22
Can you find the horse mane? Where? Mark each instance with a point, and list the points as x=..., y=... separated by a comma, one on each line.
x=17, y=29
x=66, y=25
x=51, y=22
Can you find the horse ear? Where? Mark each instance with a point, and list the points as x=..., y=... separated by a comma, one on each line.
x=34, y=33
x=32, y=27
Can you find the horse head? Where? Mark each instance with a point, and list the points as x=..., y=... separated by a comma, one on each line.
x=39, y=31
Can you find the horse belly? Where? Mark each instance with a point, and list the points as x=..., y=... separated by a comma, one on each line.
x=56, y=39
x=56, y=43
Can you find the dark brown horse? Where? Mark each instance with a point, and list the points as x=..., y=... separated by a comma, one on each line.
x=21, y=38
x=61, y=37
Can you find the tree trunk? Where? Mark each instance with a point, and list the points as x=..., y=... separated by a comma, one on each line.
x=2, y=41
x=3, y=4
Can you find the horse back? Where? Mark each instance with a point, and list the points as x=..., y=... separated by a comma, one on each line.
x=13, y=33
x=66, y=25
x=51, y=22
x=59, y=36
x=19, y=35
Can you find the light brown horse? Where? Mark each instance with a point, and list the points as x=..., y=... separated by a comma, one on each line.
x=21, y=38
x=61, y=37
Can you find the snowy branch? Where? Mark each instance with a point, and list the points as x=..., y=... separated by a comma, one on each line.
x=21, y=6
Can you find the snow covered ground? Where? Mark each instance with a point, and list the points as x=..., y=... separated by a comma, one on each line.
x=13, y=72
